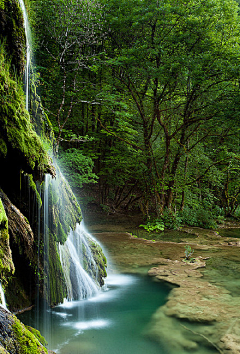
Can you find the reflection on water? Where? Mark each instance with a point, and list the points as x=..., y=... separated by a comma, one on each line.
x=233, y=232
x=223, y=266
x=112, y=322
x=223, y=270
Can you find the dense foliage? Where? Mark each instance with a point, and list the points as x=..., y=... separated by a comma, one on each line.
x=149, y=90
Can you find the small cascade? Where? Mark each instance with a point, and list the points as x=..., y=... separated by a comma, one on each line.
x=28, y=53
x=3, y=304
x=78, y=250
x=76, y=259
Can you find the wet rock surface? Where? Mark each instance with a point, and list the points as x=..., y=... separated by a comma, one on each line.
x=19, y=229
x=15, y=338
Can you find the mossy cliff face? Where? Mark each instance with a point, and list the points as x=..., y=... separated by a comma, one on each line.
x=15, y=338
x=41, y=122
x=21, y=151
x=12, y=32
x=63, y=209
x=6, y=263
x=24, y=255
x=55, y=289
x=20, y=146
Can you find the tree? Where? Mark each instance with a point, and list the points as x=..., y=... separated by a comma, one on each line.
x=70, y=33
x=178, y=63
x=155, y=87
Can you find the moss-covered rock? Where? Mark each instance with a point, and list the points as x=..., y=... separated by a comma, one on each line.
x=20, y=145
x=38, y=335
x=12, y=32
x=19, y=229
x=63, y=209
x=6, y=262
x=41, y=122
x=100, y=260
x=24, y=255
x=54, y=285
x=15, y=338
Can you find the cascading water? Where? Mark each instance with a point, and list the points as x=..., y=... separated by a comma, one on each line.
x=3, y=304
x=46, y=231
x=76, y=254
x=28, y=52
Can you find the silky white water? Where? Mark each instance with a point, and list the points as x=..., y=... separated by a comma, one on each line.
x=79, y=266
x=73, y=255
x=28, y=51
x=3, y=301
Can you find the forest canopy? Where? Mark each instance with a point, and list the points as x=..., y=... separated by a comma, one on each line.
x=144, y=95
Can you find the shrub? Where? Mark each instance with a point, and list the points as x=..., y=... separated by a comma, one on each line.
x=198, y=217
x=77, y=168
x=156, y=225
x=188, y=252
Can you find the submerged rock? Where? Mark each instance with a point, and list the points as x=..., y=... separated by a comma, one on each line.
x=197, y=311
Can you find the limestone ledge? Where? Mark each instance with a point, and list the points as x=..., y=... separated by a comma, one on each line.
x=196, y=311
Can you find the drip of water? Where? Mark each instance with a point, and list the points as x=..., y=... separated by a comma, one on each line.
x=48, y=181
x=3, y=304
x=75, y=255
x=28, y=54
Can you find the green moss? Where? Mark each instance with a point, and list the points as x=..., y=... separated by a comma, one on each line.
x=38, y=335
x=33, y=186
x=3, y=217
x=12, y=31
x=42, y=124
x=64, y=209
x=57, y=285
x=61, y=235
x=18, y=139
x=27, y=341
x=16, y=296
x=6, y=263
x=2, y=4
x=3, y=148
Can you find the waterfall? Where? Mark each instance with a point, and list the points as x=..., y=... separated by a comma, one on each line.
x=75, y=255
x=28, y=53
x=48, y=181
x=79, y=252
x=3, y=304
